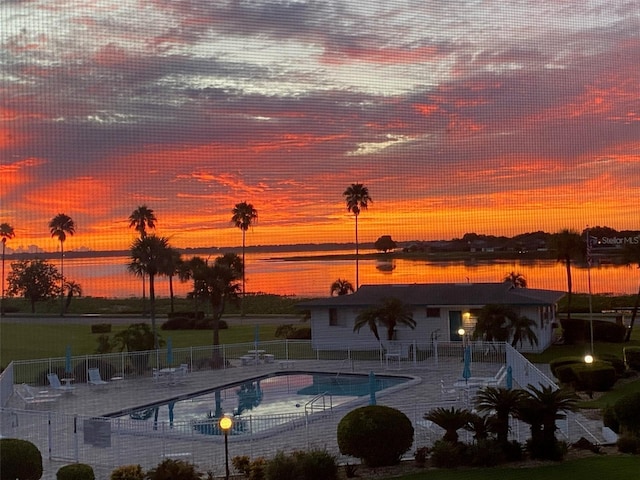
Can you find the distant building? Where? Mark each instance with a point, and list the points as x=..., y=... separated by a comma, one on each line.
x=439, y=309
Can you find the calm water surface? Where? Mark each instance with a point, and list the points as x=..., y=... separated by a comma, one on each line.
x=108, y=277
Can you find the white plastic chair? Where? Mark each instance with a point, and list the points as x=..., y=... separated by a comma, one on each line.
x=95, y=378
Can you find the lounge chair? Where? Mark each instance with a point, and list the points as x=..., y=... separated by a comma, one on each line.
x=30, y=397
x=54, y=381
x=95, y=378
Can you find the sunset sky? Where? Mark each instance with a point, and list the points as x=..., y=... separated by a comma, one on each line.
x=496, y=117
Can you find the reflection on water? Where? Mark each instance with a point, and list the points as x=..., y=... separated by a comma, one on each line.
x=108, y=277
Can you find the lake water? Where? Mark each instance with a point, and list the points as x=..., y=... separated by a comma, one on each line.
x=108, y=277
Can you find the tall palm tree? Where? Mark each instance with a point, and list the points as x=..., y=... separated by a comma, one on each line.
x=244, y=215
x=148, y=257
x=390, y=313
x=516, y=279
x=341, y=287
x=631, y=255
x=6, y=233
x=357, y=199
x=568, y=246
x=142, y=218
x=60, y=226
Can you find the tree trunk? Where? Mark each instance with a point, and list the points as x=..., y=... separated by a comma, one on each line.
x=569, y=288
x=152, y=309
x=357, y=257
x=171, y=292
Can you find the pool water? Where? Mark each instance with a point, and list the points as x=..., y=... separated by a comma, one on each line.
x=282, y=395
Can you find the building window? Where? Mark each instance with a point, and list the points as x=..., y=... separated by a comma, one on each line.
x=333, y=317
x=433, y=313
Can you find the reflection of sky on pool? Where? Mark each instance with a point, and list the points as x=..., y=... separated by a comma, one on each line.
x=274, y=395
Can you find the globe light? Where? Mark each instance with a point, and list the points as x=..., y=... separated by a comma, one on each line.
x=461, y=332
x=588, y=359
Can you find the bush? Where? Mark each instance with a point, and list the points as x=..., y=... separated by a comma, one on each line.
x=282, y=467
x=566, y=374
x=513, y=451
x=20, y=460
x=579, y=331
x=316, y=465
x=597, y=377
x=609, y=419
x=421, y=455
x=616, y=362
x=170, y=469
x=376, y=434
x=628, y=413
x=561, y=362
x=484, y=453
x=77, y=471
x=199, y=315
x=627, y=444
x=632, y=358
x=127, y=472
x=445, y=454
x=101, y=328
x=303, y=333
x=538, y=449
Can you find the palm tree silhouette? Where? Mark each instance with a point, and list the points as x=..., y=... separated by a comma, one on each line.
x=357, y=199
x=244, y=215
x=389, y=313
x=516, y=279
x=6, y=233
x=141, y=219
x=60, y=226
x=568, y=246
x=148, y=257
x=341, y=287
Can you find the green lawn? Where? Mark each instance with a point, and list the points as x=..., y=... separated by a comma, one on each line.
x=26, y=341
x=609, y=467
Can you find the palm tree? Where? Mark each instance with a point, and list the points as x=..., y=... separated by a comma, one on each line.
x=73, y=288
x=543, y=407
x=341, y=287
x=499, y=323
x=390, y=312
x=358, y=199
x=218, y=283
x=148, y=257
x=516, y=279
x=450, y=420
x=6, y=233
x=60, y=226
x=172, y=267
x=631, y=254
x=502, y=403
x=568, y=246
x=244, y=215
x=141, y=219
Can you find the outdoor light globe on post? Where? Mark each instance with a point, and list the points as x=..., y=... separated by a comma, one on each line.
x=588, y=359
x=225, y=424
x=461, y=332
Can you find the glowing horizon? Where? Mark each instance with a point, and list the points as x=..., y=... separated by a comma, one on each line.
x=497, y=118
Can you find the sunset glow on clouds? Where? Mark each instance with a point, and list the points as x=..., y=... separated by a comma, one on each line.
x=495, y=117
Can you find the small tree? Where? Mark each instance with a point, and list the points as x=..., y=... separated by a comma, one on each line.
x=450, y=420
x=389, y=313
x=20, y=459
x=35, y=280
x=341, y=287
x=385, y=244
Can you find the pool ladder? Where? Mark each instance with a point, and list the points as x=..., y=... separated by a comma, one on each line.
x=315, y=401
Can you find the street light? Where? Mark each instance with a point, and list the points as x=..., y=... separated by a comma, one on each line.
x=225, y=424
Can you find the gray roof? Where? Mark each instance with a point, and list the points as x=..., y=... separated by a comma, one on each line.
x=442, y=294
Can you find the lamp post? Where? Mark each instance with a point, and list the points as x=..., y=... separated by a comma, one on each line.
x=225, y=424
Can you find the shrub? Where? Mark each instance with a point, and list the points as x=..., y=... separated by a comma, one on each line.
x=101, y=328
x=127, y=472
x=177, y=323
x=609, y=418
x=76, y=471
x=445, y=454
x=484, y=453
x=170, y=469
x=632, y=358
x=420, y=456
x=256, y=471
x=579, y=331
x=282, y=467
x=538, y=449
x=242, y=464
x=187, y=315
x=597, y=377
x=376, y=434
x=316, y=465
x=628, y=413
x=561, y=362
x=20, y=460
x=616, y=362
x=513, y=451
x=302, y=333
x=566, y=374
x=628, y=444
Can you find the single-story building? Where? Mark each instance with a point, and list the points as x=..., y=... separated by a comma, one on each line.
x=439, y=310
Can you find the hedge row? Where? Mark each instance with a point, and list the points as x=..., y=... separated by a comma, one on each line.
x=576, y=331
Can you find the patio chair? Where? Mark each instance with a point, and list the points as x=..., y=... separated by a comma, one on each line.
x=95, y=378
x=54, y=381
x=34, y=392
x=448, y=394
x=31, y=397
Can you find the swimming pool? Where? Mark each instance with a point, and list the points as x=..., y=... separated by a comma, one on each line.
x=263, y=402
